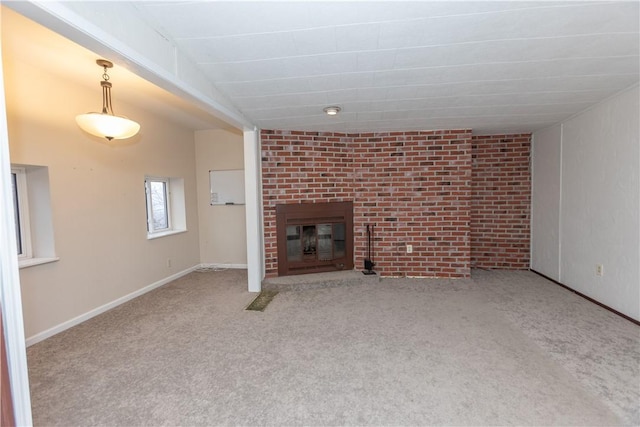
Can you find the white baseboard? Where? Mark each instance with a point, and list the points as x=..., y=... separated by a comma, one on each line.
x=96, y=311
x=231, y=266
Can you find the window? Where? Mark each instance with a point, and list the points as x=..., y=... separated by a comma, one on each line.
x=165, y=206
x=157, y=205
x=32, y=215
x=21, y=212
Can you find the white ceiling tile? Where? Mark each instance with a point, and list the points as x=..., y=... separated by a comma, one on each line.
x=408, y=65
x=486, y=72
x=314, y=41
x=335, y=97
x=323, y=98
x=375, y=60
x=497, y=101
x=301, y=66
x=335, y=64
x=519, y=50
x=481, y=111
x=331, y=82
x=224, y=18
x=372, y=93
x=402, y=33
x=541, y=21
x=357, y=80
x=291, y=85
x=353, y=38
x=252, y=89
x=240, y=48
x=303, y=122
x=234, y=72
x=369, y=116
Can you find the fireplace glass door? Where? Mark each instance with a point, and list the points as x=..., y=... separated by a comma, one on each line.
x=316, y=242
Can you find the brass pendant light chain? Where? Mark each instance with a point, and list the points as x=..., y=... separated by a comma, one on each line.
x=105, y=76
x=107, y=108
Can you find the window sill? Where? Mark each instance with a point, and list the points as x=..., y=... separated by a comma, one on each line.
x=164, y=234
x=31, y=262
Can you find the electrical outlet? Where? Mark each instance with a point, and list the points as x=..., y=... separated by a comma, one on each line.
x=409, y=249
x=169, y=263
x=599, y=270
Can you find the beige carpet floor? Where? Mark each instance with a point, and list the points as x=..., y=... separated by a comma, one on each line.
x=501, y=348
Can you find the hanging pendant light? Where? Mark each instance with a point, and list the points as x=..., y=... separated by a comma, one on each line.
x=107, y=124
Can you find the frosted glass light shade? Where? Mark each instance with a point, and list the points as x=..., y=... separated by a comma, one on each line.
x=107, y=125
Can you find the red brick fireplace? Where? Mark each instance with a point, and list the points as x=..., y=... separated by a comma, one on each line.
x=460, y=201
x=414, y=186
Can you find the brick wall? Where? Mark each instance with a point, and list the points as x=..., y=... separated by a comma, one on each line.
x=302, y=167
x=414, y=186
x=501, y=201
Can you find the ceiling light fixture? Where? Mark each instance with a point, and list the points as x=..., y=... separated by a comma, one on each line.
x=107, y=124
x=332, y=111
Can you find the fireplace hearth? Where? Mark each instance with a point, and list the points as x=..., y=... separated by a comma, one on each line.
x=314, y=237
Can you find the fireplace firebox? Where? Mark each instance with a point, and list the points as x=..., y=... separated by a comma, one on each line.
x=314, y=237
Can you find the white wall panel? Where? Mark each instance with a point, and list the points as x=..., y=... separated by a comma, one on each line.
x=600, y=202
x=586, y=202
x=600, y=198
x=545, y=202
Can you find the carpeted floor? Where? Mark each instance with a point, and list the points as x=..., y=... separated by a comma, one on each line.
x=501, y=348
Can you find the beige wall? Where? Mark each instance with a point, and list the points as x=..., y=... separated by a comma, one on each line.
x=222, y=228
x=97, y=197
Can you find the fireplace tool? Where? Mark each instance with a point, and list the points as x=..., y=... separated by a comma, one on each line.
x=368, y=262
